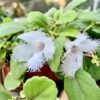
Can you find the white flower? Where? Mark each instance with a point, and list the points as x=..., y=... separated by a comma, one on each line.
x=36, y=49
x=73, y=58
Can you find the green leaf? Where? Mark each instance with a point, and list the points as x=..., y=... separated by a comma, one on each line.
x=67, y=16
x=57, y=14
x=95, y=71
x=82, y=87
x=11, y=83
x=86, y=63
x=91, y=68
x=98, y=52
x=51, y=12
x=4, y=94
x=37, y=18
x=15, y=76
x=17, y=69
x=89, y=16
x=51, y=21
x=69, y=31
x=74, y=4
x=55, y=62
x=79, y=24
x=10, y=28
x=24, y=22
x=7, y=20
x=96, y=29
x=40, y=88
x=2, y=53
x=2, y=42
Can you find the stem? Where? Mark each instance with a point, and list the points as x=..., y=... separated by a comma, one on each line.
x=95, y=4
x=88, y=27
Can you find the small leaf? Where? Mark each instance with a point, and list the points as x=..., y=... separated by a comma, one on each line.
x=2, y=53
x=82, y=87
x=55, y=62
x=95, y=71
x=11, y=83
x=74, y=4
x=67, y=16
x=96, y=29
x=91, y=68
x=40, y=88
x=10, y=28
x=4, y=94
x=2, y=42
x=37, y=18
x=51, y=21
x=86, y=63
x=7, y=20
x=79, y=24
x=17, y=69
x=57, y=14
x=51, y=12
x=69, y=31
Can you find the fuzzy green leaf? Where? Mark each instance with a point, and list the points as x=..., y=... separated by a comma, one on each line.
x=37, y=18
x=69, y=31
x=67, y=16
x=82, y=87
x=40, y=88
x=10, y=28
x=51, y=12
x=57, y=14
x=55, y=62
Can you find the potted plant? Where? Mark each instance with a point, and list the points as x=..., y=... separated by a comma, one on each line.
x=60, y=45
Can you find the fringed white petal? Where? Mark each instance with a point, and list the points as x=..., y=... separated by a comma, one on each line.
x=32, y=37
x=85, y=44
x=72, y=63
x=79, y=58
x=89, y=45
x=36, y=62
x=80, y=38
x=68, y=45
x=49, y=48
x=23, y=52
x=74, y=56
